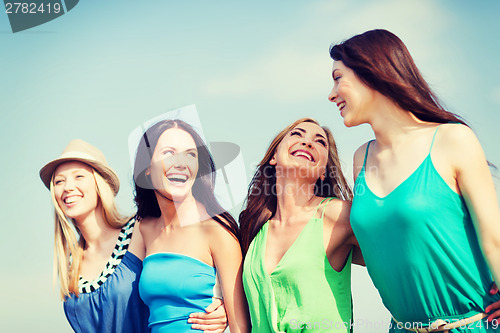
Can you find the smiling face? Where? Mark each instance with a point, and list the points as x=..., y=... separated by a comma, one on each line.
x=75, y=189
x=352, y=96
x=304, y=147
x=174, y=164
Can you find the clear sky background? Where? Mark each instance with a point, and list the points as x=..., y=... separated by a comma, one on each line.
x=251, y=68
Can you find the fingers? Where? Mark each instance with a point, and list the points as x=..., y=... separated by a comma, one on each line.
x=214, y=320
x=209, y=328
x=202, y=320
x=493, y=307
x=218, y=315
x=214, y=305
x=494, y=316
x=493, y=288
x=214, y=311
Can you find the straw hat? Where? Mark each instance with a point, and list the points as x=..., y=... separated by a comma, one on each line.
x=81, y=151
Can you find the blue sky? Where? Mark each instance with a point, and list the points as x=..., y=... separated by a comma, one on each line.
x=102, y=69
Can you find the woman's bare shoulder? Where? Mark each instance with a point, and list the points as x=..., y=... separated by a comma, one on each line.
x=337, y=212
x=359, y=158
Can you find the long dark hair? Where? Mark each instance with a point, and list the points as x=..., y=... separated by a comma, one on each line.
x=261, y=202
x=381, y=60
x=203, y=187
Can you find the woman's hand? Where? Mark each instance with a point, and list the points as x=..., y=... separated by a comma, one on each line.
x=213, y=320
x=495, y=306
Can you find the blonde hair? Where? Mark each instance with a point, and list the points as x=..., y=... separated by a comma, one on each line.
x=69, y=245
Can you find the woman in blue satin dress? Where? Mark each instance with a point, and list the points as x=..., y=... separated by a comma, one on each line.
x=191, y=242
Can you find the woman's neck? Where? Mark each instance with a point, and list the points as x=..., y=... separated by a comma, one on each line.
x=95, y=230
x=293, y=196
x=180, y=213
x=391, y=124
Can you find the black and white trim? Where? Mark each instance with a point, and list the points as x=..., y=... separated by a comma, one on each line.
x=119, y=251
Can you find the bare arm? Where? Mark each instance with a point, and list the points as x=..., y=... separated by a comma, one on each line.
x=341, y=240
x=357, y=256
x=359, y=158
x=226, y=252
x=136, y=245
x=476, y=186
x=475, y=183
x=345, y=218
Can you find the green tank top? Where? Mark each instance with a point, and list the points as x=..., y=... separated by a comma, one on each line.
x=421, y=249
x=303, y=293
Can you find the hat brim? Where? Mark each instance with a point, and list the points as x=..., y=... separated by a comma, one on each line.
x=107, y=173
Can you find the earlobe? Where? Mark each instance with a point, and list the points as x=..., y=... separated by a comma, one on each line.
x=322, y=177
x=273, y=160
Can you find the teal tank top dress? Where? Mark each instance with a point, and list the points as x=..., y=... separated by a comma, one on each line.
x=173, y=286
x=303, y=293
x=421, y=250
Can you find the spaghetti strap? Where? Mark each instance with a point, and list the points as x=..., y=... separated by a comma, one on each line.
x=366, y=152
x=324, y=207
x=433, y=138
x=319, y=206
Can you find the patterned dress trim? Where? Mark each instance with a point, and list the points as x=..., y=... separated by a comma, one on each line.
x=119, y=251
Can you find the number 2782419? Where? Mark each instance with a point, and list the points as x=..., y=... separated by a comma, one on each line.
x=32, y=8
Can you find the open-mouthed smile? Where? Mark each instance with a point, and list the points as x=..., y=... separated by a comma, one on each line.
x=304, y=154
x=71, y=199
x=341, y=105
x=177, y=178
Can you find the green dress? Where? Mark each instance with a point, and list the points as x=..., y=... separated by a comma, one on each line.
x=303, y=293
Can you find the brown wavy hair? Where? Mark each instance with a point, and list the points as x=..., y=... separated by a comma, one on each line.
x=382, y=61
x=261, y=201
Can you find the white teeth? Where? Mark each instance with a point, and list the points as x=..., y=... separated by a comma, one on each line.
x=70, y=200
x=301, y=153
x=177, y=178
x=341, y=105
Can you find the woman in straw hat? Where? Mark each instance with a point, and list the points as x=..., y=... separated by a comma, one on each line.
x=191, y=241
x=99, y=265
